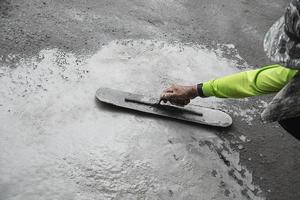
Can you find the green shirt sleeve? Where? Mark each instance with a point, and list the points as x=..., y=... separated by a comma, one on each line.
x=249, y=83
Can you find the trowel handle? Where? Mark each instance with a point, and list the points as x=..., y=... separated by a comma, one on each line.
x=160, y=100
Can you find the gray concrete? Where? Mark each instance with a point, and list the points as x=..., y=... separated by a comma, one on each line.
x=57, y=142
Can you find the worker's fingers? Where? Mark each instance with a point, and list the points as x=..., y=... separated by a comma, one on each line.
x=165, y=94
x=179, y=102
x=186, y=102
x=168, y=96
x=176, y=103
x=168, y=90
x=172, y=95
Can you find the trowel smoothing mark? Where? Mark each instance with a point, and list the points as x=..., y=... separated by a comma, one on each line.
x=57, y=143
x=158, y=64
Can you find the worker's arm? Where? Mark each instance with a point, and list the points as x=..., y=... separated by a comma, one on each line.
x=265, y=80
x=244, y=84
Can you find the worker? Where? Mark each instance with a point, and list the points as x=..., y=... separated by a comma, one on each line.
x=282, y=46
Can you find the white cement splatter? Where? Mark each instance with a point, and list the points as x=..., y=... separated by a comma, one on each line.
x=58, y=143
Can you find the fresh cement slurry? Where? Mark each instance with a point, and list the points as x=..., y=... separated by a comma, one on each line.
x=58, y=142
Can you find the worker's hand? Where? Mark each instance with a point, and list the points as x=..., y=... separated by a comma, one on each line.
x=179, y=95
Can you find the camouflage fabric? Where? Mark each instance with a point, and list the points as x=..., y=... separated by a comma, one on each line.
x=286, y=104
x=282, y=45
x=282, y=41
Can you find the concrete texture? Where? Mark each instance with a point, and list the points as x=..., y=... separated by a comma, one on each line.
x=58, y=142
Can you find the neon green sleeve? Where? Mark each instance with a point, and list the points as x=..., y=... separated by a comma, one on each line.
x=249, y=83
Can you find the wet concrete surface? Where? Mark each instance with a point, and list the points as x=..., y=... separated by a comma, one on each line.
x=57, y=142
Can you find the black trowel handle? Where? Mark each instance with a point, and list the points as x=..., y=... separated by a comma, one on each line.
x=164, y=107
x=160, y=100
x=154, y=102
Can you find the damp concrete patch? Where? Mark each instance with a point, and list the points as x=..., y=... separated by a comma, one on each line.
x=58, y=142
